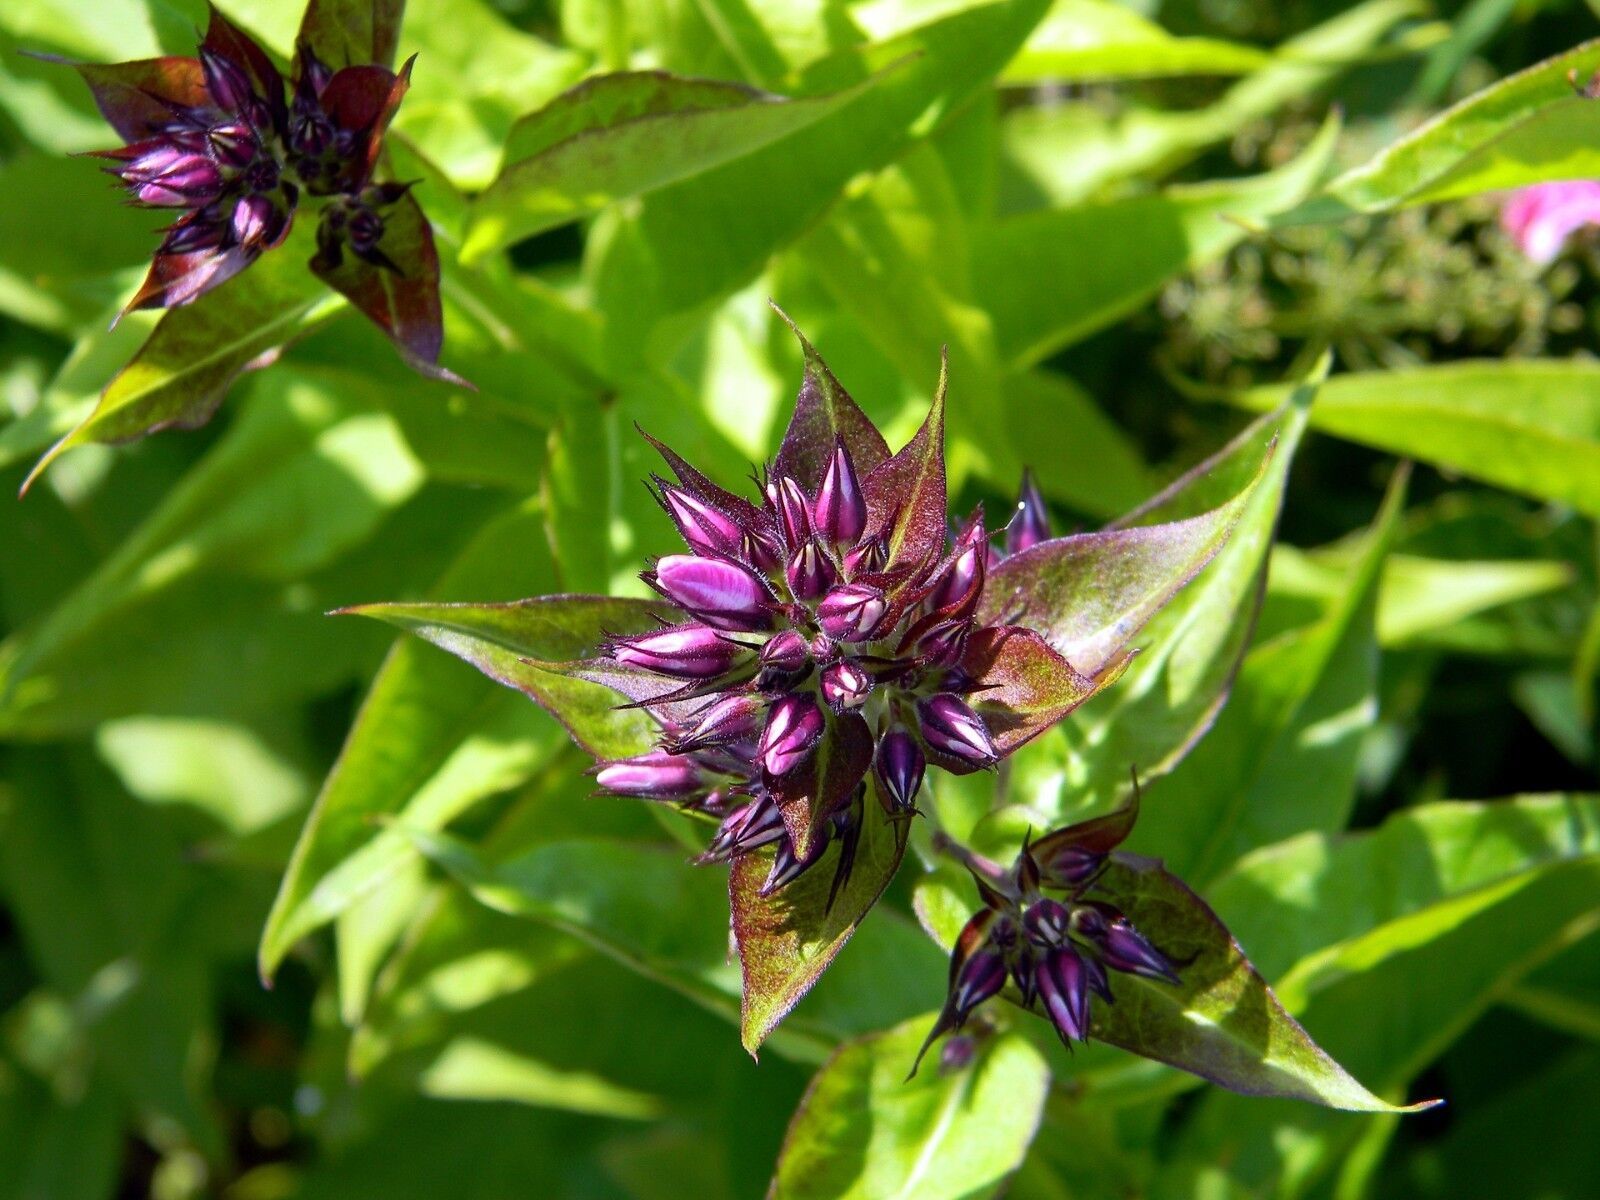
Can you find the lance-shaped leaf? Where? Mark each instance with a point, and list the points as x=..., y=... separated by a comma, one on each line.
x=535, y=646
x=824, y=415
x=1089, y=594
x=864, y=1132
x=1221, y=1021
x=1530, y=127
x=806, y=797
x=786, y=940
x=350, y=32
x=399, y=292
x=1023, y=686
x=136, y=98
x=906, y=495
x=620, y=135
x=181, y=374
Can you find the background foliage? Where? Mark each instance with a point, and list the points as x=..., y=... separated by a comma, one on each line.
x=1130, y=224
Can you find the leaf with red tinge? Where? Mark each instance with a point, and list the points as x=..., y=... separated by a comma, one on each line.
x=1023, y=687
x=1090, y=593
x=362, y=100
x=403, y=299
x=136, y=97
x=1222, y=1021
x=178, y=279
x=824, y=414
x=905, y=495
x=786, y=940
x=807, y=796
x=538, y=646
x=349, y=32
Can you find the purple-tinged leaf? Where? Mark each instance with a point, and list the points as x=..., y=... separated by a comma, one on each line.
x=1098, y=835
x=178, y=279
x=906, y=494
x=362, y=100
x=743, y=513
x=1025, y=687
x=402, y=299
x=536, y=646
x=238, y=47
x=1089, y=594
x=352, y=32
x=809, y=795
x=824, y=415
x=785, y=941
x=1222, y=1021
x=136, y=98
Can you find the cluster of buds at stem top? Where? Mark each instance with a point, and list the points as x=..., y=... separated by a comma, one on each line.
x=796, y=637
x=217, y=142
x=1045, y=932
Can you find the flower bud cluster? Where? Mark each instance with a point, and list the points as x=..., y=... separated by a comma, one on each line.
x=796, y=627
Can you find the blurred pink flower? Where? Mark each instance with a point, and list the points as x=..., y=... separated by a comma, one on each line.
x=1543, y=216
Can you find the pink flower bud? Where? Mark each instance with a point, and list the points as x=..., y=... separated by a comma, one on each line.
x=809, y=572
x=720, y=592
x=950, y=727
x=656, y=775
x=794, y=726
x=1064, y=987
x=226, y=84
x=961, y=580
x=840, y=511
x=255, y=219
x=785, y=653
x=867, y=558
x=794, y=510
x=706, y=530
x=845, y=685
x=729, y=719
x=682, y=651
x=853, y=612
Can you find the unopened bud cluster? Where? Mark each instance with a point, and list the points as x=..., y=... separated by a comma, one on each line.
x=795, y=629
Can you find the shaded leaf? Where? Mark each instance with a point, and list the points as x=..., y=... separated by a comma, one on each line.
x=1023, y=687
x=863, y=1131
x=786, y=940
x=619, y=135
x=824, y=414
x=134, y=96
x=905, y=495
x=348, y=32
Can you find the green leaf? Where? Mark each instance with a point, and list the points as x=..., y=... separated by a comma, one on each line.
x=1527, y=128
x=181, y=374
x=785, y=941
x=1529, y=426
x=52, y=1145
x=352, y=32
x=699, y=239
x=1118, y=254
x=530, y=645
x=1222, y=1021
x=1095, y=39
x=865, y=1132
x=431, y=738
x=621, y=135
x=1283, y=754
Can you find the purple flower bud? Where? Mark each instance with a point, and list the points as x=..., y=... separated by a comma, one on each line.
x=1064, y=988
x=314, y=73
x=1031, y=522
x=841, y=510
x=900, y=767
x=706, y=530
x=944, y=643
x=365, y=231
x=957, y=1054
x=226, y=84
x=756, y=824
x=845, y=685
x=794, y=726
x=852, y=612
x=1071, y=866
x=1047, y=922
x=786, y=867
x=981, y=976
x=656, y=775
x=950, y=727
x=255, y=219
x=758, y=550
x=233, y=145
x=794, y=510
x=730, y=719
x=867, y=558
x=1124, y=948
x=169, y=177
x=721, y=593
x=961, y=579
x=1095, y=973
x=785, y=654
x=682, y=651
x=810, y=573
x=197, y=233
x=1025, y=975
